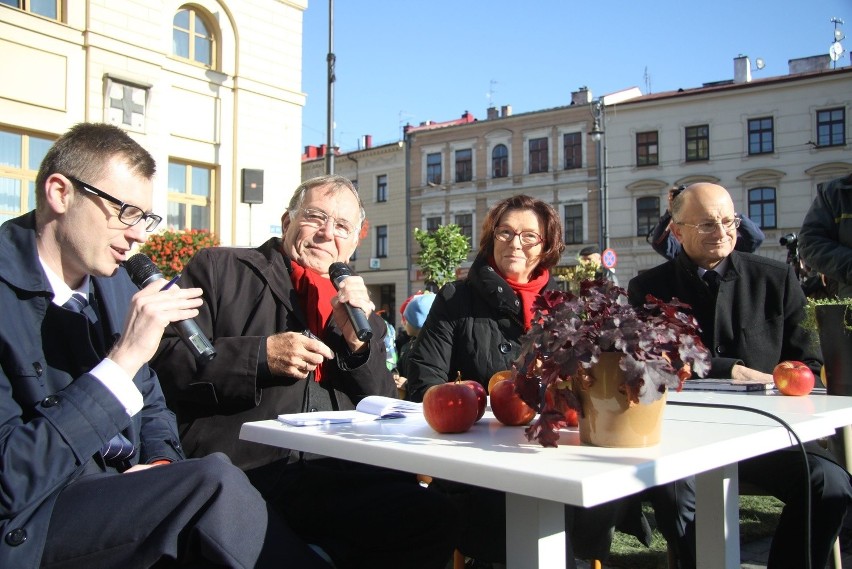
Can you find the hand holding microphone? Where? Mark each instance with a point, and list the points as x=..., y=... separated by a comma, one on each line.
x=143, y=272
x=338, y=272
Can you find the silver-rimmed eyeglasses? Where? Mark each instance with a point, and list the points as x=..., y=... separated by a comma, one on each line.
x=710, y=226
x=128, y=214
x=528, y=238
x=318, y=219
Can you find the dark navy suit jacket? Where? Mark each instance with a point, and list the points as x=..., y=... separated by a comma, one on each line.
x=54, y=420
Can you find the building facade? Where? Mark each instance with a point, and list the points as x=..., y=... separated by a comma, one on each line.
x=212, y=89
x=458, y=171
x=771, y=142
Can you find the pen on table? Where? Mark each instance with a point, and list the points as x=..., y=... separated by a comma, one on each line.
x=171, y=282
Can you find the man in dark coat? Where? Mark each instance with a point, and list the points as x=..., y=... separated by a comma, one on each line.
x=285, y=345
x=75, y=386
x=750, y=309
x=825, y=240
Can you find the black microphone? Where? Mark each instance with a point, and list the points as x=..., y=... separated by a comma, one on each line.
x=337, y=272
x=143, y=272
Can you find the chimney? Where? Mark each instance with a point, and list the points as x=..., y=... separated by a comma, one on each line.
x=323, y=149
x=812, y=63
x=368, y=141
x=581, y=96
x=310, y=151
x=492, y=113
x=506, y=111
x=742, y=69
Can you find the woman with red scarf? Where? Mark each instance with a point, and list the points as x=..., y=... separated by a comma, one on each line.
x=475, y=324
x=474, y=327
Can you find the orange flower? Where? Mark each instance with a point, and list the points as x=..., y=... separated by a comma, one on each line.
x=171, y=250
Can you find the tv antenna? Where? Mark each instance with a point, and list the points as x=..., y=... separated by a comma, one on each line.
x=835, y=50
x=647, y=81
x=490, y=93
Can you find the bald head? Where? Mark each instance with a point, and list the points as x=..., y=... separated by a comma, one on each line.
x=700, y=215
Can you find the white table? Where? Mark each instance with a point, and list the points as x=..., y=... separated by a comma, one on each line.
x=538, y=481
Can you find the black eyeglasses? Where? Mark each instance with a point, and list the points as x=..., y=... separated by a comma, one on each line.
x=128, y=214
x=528, y=238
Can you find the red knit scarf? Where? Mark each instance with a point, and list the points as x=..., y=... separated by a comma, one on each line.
x=314, y=292
x=528, y=292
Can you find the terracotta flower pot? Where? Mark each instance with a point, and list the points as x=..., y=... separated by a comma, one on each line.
x=608, y=419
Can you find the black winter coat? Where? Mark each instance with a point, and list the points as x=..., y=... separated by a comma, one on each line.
x=248, y=295
x=474, y=327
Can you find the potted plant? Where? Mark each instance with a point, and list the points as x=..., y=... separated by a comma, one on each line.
x=830, y=321
x=563, y=356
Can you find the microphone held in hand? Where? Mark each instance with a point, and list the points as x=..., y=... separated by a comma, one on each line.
x=143, y=272
x=337, y=272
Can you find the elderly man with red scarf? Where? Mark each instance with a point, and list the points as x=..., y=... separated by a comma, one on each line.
x=285, y=344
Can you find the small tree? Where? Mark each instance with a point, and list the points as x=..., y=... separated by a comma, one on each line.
x=441, y=253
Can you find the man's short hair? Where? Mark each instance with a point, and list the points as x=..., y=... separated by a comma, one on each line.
x=85, y=151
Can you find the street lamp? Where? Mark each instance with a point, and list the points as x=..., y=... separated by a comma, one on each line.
x=598, y=135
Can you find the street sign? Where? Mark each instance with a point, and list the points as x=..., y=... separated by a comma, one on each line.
x=609, y=259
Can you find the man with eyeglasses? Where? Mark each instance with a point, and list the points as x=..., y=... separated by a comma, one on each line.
x=750, y=309
x=749, y=235
x=91, y=468
x=285, y=345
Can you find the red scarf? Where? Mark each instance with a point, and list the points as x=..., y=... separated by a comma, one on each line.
x=528, y=292
x=314, y=292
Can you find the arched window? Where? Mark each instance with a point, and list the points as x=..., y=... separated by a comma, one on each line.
x=500, y=161
x=193, y=38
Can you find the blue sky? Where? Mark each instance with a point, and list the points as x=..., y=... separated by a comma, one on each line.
x=404, y=62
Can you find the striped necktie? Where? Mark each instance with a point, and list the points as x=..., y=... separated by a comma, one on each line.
x=118, y=449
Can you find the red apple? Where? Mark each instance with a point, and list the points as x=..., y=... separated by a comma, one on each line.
x=450, y=407
x=507, y=406
x=793, y=378
x=481, y=395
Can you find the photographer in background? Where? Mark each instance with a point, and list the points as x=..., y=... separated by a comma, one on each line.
x=826, y=235
x=814, y=284
x=749, y=235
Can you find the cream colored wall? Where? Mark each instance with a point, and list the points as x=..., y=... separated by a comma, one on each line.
x=245, y=115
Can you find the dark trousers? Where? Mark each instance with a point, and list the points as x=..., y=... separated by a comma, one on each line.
x=362, y=516
x=779, y=474
x=194, y=513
